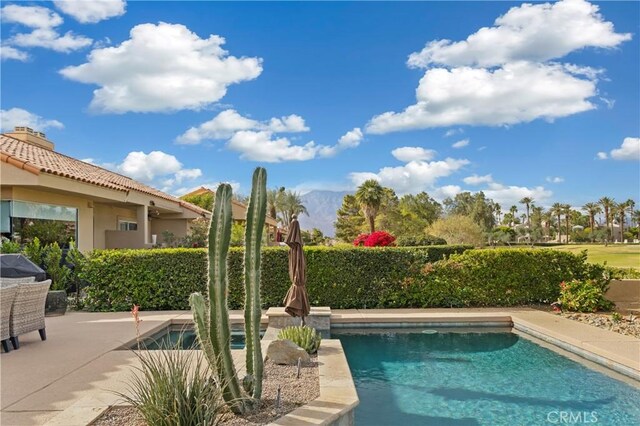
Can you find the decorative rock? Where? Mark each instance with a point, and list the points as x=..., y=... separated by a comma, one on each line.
x=286, y=352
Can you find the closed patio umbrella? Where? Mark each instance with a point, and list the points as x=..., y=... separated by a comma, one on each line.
x=296, y=303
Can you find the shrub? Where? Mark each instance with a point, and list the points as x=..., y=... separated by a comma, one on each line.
x=387, y=277
x=379, y=239
x=584, y=296
x=163, y=279
x=9, y=246
x=498, y=277
x=57, y=271
x=305, y=337
x=419, y=240
x=34, y=251
x=173, y=387
x=360, y=239
x=457, y=229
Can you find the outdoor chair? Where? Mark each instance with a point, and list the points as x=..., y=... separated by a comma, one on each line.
x=27, y=314
x=14, y=281
x=7, y=296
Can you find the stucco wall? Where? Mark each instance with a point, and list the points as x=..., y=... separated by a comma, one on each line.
x=177, y=226
x=105, y=218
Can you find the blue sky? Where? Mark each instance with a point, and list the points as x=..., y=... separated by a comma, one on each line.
x=325, y=95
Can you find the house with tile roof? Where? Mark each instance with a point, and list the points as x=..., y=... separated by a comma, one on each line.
x=104, y=209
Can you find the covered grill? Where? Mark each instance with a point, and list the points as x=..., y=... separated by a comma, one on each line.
x=19, y=266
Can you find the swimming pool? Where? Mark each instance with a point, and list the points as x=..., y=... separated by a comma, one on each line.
x=183, y=337
x=466, y=377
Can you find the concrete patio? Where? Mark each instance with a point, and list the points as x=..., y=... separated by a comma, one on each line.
x=80, y=357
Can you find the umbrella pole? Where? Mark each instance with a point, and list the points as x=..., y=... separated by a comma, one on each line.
x=303, y=321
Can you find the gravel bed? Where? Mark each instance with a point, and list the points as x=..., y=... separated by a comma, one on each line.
x=294, y=393
x=628, y=324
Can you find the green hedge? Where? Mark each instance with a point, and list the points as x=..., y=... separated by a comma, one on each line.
x=163, y=279
x=492, y=277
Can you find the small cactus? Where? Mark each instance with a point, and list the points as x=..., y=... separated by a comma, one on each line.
x=305, y=337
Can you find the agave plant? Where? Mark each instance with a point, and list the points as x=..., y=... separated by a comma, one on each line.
x=305, y=337
x=212, y=316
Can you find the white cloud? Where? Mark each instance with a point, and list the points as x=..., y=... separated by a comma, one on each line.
x=161, y=68
x=461, y=143
x=539, y=32
x=412, y=177
x=446, y=191
x=43, y=22
x=31, y=16
x=629, y=150
x=602, y=155
x=511, y=194
x=20, y=117
x=413, y=153
x=349, y=140
x=518, y=92
x=8, y=52
x=477, y=180
x=50, y=39
x=262, y=146
x=227, y=122
x=91, y=11
x=289, y=124
x=554, y=179
x=452, y=132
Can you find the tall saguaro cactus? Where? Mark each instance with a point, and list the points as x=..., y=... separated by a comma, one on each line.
x=212, y=317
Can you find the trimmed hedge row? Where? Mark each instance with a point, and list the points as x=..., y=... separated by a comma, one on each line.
x=163, y=279
x=493, y=277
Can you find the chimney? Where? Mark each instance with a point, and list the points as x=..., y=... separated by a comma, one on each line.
x=28, y=135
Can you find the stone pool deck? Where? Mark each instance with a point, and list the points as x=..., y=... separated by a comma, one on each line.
x=79, y=360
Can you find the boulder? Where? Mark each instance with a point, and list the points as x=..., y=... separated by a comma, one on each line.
x=286, y=352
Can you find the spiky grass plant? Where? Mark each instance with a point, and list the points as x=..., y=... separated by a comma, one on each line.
x=173, y=387
x=305, y=337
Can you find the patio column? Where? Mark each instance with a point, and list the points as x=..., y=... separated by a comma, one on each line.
x=142, y=216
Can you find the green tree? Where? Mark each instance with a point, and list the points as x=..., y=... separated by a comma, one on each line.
x=566, y=210
x=204, y=200
x=607, y=204
x=527, y=202
x=592, y=210
x=274, y=200
x=349, y=222
x=370, y=196
x=476, y=206
x=290, y=204
x=456, y=229
x=556, y=210
x=497, y=209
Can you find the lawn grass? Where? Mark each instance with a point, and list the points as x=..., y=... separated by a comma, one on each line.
x=618, y=255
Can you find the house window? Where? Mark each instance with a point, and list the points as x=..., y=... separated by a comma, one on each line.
x=23, y=221
x=127, y=225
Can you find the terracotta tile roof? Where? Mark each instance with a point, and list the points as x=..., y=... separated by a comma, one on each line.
x=35, y=159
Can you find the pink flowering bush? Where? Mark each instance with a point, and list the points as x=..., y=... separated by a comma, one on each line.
x=377, y=239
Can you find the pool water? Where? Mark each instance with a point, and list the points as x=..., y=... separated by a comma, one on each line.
x=181, y=337
x=410, y=377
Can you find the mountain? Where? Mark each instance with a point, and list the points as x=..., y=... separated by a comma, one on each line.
x=322, y=207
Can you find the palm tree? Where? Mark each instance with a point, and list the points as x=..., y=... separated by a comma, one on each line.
x=556, y=209
x=497, y=209
x=566, y=210
x=636, y=218
x=607, y=205
x=628, y=205
x=547, y=217
x=513, y=210
x=274, y=198
x=370, y=195
x=527, y=202
x=290, y=204
x=592, y=210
